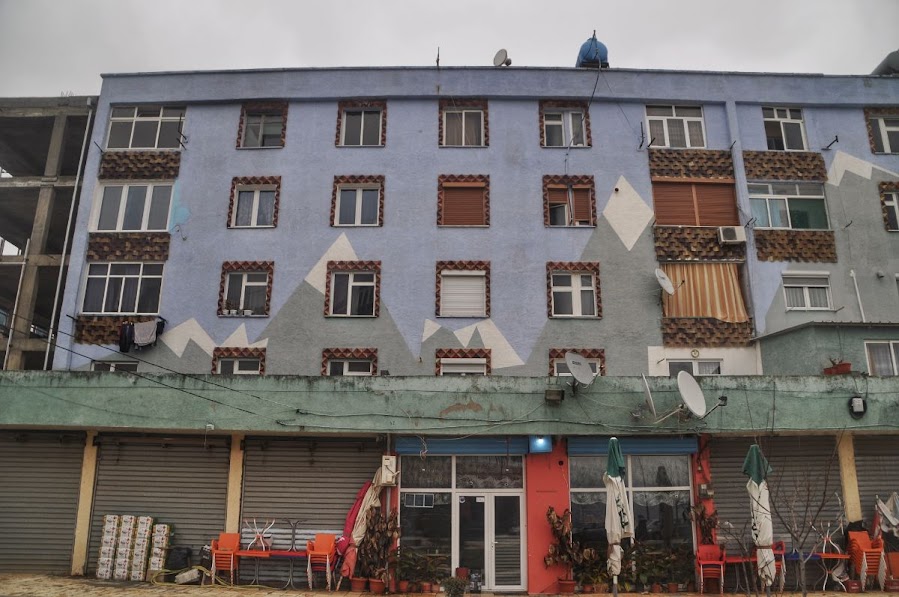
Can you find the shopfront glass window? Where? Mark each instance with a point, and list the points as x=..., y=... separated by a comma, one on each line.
x=426, y=522
x=427, y=473
x=489, y=472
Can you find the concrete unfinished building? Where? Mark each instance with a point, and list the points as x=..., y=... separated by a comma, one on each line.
x=41, y=144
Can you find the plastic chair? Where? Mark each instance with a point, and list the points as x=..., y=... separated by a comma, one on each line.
x=321, y=554
x=867, y=557
x=224, y=555
x=710, y=562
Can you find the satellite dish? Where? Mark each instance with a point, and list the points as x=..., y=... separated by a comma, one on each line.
x=664, y=281
x=502, y=58
x=691, y=394
x=648, y=395
x=580, y=369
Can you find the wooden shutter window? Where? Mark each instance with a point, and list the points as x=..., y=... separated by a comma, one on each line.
x=717, y=205
x=581, y=200
x=463, y=294
x=464, y=205
x=673, y=204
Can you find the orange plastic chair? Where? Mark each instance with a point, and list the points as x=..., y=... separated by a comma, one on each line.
x=867, y=557
x=224, y=555
x=710, y=562
x=321, y=555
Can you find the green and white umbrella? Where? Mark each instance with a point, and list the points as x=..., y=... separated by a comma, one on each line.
x=618, y=510
x=756, y=467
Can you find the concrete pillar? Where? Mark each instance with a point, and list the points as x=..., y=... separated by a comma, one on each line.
x=85, y=505
x=20, y=328
x=235, y=484
x=547, y=485
x=848, y=478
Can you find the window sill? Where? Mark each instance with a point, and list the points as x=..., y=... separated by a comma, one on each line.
x=566, y=147
x=462, y=316
x=165, y=230
x=351, y=316
x=587, y=226
x=261, y=147
x=463, y=225
x=675, y=148
x=463, y=146
x=121, y=315
x=124, y=149
x=378, y=225
x=251, y=227
x=242, y=316
x=359, y=146
x=792, y=229
x=587, y=317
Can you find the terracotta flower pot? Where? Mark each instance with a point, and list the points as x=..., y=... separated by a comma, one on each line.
x=462, y=572
x=377, y=586
x=425, y=587
x=358, y=585
x=403, y=586
x=656, y=587
x=587, y=588
x=672, y=587
x=839, y=369
x=566, y=587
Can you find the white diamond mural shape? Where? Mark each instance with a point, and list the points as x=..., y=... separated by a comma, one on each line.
x=627, y=213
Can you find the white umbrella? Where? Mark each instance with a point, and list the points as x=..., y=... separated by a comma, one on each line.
x=372, y=499
x=618, y=510
x=757, y=469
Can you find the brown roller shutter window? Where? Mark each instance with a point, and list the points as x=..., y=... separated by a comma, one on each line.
x=463, y=206
x=685, y=204
x=580, y=203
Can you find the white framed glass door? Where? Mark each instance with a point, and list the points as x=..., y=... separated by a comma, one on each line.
x=489, y=539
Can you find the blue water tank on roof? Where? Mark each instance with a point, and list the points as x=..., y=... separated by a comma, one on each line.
x=593, y=54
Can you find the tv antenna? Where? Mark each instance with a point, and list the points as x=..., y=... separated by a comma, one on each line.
x=502, y=58
x=647, y=401
x=693, y=398
x=580, y=371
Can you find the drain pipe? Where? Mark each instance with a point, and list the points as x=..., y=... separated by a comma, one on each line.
x=858, y=295
x=51, y=340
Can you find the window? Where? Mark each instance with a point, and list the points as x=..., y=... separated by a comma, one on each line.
x=891, y=210
x=114, y=366
x=134, y=207
x=463, y=200
x=263, y=124
x=784, y=130
x=349, y=361
x=704, y=290
x=463, y=123
x=361, y=127
x=569, y=201
x=246, y=288
x=560, y=367
x=595, y=357
x=463, y=288
x=675, y=126
x=884, y=130
x=340, y=367
x=238, y=361
x=564, y=124
x=658, y=488
x=353, y=289
x=807, y=292
x=462, y=361
x=254, y=202
x=797, y=206
x=573, y=289
x=701, y=204
x=145, y=127
x=883, y=358
x=130, y=288
x=358, y=201
x=694, y=367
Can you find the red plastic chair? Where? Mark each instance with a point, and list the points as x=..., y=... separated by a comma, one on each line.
x=867, y=557
x=224, y=555
x=710, y=563
x=321, y=555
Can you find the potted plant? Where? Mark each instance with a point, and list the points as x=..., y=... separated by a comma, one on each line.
x=564, y=550
x=455, y=586
x=375, y=551
x=229, y=308
x=681, y=568
x=652, y=568
x=838, y=367
x=408, y=564
x=358, y=585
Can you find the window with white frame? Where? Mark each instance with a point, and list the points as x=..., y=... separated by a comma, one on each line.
x=807, y=291
x=784, y=130
x=349, y=367
x=883, y=358
x=562, y=128
x=358, y=205
x=8, y=249
x=114, y=366
x=573, y=294
x=463, y=366
x=463, y=127
x=238, y=366
x=694, y=367
x=885, y=131
x=658, y=488
x=255, y=207
x=353, y=294
x=675, y=126
x=891, y=205
x=796, y=206
x=560, y=367
x=263, y=129
x=132, y=207
x=126, y=288
x=361, y=127
x=463, y=293
x=246, y=292
x=145, y=127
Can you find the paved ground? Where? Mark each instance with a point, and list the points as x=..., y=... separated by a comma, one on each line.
x=40, y=585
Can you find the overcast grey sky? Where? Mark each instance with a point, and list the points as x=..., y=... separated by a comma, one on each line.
x=48, y=47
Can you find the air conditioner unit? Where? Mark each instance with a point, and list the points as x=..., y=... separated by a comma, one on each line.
x=731, y=235
x=388, y=470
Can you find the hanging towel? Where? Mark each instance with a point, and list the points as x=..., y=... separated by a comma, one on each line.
x=144, y=333
x=126, y=336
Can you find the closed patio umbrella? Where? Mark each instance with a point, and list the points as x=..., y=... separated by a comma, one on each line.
x=371, y=500
x=756, y=467
x=618, y=510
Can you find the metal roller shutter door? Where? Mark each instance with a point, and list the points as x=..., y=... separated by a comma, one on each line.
x=177, y=481
x=794, y=460
x=876, y=464
x=40, y=475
